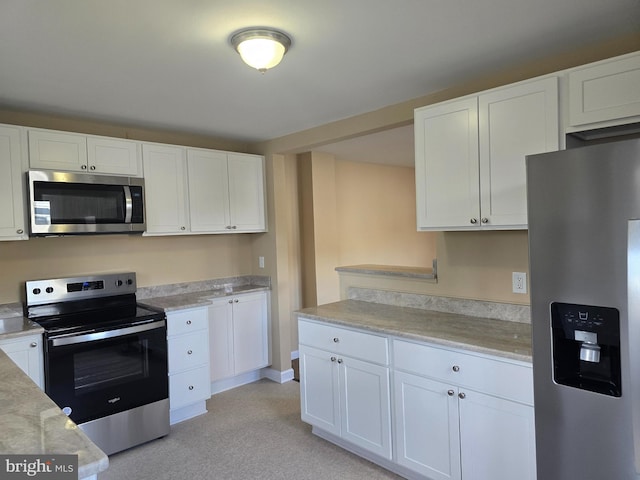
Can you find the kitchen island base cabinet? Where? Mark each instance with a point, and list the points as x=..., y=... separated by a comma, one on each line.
x=342, y=395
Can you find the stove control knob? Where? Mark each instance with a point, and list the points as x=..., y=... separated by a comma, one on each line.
x=36, y=291
x=118, y=283
x=49, y=290
x=129, y=281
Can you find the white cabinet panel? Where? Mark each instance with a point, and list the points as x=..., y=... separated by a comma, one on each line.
x=246, y=192
x=208, y=190
x=497, y=438
x=12, y=189
x=607, y=91
x=426, y=415
x=113, y=156
x=57, y=150
x=27, y=353
x=187, y=388
x=165, y=188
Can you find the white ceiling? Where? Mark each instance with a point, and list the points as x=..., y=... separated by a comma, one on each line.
x=168, y=63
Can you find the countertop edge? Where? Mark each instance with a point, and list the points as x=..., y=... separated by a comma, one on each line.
x=184, y=301
x=435, y=340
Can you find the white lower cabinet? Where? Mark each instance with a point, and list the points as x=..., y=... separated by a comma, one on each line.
x=460, y=416
x=344, y=385
x=239, y=338
x=454, y=414
x=27, y=353
x=188, y=348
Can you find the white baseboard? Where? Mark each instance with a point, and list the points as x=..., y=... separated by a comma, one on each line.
x=185, y=413
x=278, y=376
x=295, y=355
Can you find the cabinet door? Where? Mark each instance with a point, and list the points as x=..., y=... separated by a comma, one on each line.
x=513, y=122
x=165, y=189
x=26, y=352
x=12, y=213
x=426, y=415
x=208, y=191
x=250, y=333
x=446, y=142
x=57, y=150
x=365, y=405
x=113, y=156
x=606, y=91
x=497, y=438
x=246, y=193
x=221, y=339
x=319, y=389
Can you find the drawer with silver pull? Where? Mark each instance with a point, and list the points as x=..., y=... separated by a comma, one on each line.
x=186, y=321
x=188, y=351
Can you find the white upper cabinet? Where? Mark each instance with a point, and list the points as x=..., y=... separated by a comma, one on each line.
x=246, y=192
x=197, y=191
x=12, y=164
x=54, y=150
x=165, y=189
x=208, y=190
x=606, y=93
x=470, y=155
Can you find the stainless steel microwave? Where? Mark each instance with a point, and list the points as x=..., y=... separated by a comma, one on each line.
x=65, y=203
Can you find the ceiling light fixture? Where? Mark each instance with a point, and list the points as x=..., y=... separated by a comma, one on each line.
x=261, y=48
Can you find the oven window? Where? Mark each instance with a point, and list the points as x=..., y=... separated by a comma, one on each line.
x=111, y=365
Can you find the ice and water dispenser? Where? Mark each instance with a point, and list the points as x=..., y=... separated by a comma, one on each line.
x=586, y=347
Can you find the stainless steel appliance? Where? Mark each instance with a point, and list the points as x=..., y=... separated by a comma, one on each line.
x=105, y=357
x=65, y=203
x=584, y=254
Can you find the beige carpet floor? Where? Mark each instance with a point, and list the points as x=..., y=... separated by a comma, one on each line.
x=251, y=432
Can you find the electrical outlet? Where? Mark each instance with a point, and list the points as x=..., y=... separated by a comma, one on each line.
x=261, y=262
x=519, y=282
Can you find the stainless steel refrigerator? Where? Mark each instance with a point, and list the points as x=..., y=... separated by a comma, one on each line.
x=584, y=260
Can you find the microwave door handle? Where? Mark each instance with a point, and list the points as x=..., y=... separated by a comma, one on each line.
x=118, y=332
x=128, y=203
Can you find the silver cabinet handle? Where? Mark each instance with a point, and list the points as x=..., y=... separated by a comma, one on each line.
x=33, y=344
x=456, y=368
x=333, y=359
x=83, y=167
x=473, y=221
x=189, y=352
x=462, y=395
x=93, y=167
x=183, y=228
x=233, y=227
x=484, y=220
x=20, y=231
x=450, y=393
x=190, y=387
x=230, y=301
x=340, y=360
x=188, y=322
x=235, y=301
x=336, y=339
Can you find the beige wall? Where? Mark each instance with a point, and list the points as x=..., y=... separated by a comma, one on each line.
x=376, y=216
x=156, y=260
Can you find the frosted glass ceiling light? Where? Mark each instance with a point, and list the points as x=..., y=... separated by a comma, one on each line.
x=261, y=48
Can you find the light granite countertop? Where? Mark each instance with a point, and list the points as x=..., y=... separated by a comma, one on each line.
x=390, y=271
x=484, y=335
x=181, y=301
x=31, y=423
x=13, y=324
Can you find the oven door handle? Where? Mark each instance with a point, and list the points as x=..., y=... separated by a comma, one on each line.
x=92, y=337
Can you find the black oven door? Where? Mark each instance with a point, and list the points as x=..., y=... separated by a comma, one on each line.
x=93, y=375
